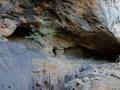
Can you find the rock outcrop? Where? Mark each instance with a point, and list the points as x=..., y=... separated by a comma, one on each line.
x=7, y=27
x=90, y=24
x=93, y=24
x=100, y=77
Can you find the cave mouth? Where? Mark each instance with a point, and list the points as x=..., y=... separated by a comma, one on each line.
x=20, y=36
x=21, y=31
x=79, y=51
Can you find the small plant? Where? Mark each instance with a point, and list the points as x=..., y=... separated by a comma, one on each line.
x=47, y=29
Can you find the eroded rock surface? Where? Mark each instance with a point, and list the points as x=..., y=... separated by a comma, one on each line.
x=87, y=24
x=100, y=77
x=92, y=24
x=12, y=77
x=7, y=27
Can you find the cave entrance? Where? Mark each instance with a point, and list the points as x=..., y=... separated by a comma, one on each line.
x=20, y=35
x=21, y=32
x=79, y=51
x=25, y=30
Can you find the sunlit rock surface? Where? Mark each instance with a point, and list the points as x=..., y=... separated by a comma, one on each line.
x=109, y=13
x=13, y=76
x=90, y=24
x=92, y=77
x=22, y=69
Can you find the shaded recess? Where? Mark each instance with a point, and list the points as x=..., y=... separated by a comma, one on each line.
x=79, y=51
x=21, y=31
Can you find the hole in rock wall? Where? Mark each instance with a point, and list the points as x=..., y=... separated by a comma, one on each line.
x=20, y=35
x=21, y=31
x=79, y=51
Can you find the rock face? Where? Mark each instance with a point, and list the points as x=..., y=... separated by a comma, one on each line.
x=16, y=66
x=93, y=24
x=7, y=27
x=108, y=13
x=12, y=76
x=94, y=78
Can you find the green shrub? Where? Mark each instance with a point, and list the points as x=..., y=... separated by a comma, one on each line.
x=47, y=29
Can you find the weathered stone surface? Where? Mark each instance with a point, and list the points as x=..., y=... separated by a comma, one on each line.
x=7, y=27
x=92, y=24
x=94, y=77
x=12, y=76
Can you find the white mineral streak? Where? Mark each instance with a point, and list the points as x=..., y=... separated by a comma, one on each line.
x=109, y=13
